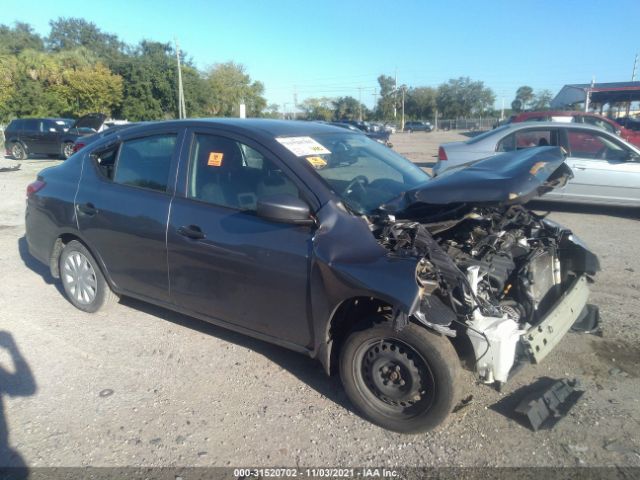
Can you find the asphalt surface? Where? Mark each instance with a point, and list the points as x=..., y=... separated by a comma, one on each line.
x=144, y=386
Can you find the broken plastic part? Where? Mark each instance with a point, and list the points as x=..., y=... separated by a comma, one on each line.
x=544, y=407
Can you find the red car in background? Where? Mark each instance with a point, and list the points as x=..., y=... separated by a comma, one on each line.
x=605, y=123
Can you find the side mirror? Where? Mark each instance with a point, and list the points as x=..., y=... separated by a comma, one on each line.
x=284, y=208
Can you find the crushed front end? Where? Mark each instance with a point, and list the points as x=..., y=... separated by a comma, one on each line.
x=507, y=278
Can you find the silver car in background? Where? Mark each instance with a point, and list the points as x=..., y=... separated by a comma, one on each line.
x=606, y=169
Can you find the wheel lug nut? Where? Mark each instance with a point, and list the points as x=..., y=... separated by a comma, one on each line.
x=385, y=369
x=402, y=382
x=397, y=368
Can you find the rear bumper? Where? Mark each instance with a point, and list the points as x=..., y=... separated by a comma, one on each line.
x=542, y=338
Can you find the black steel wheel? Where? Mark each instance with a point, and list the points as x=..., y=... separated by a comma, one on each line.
x=405, y=381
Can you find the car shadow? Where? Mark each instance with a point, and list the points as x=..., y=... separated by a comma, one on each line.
x=425, y=164
x=17, y=382
x=35, y=266
x=631, y=213
x=303, y=367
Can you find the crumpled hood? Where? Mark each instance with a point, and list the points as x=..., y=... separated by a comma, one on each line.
x=505, y=179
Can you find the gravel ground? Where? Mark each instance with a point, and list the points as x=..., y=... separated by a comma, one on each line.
x=144, y=386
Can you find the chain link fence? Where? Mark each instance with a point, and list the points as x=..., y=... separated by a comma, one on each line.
x=469, y=124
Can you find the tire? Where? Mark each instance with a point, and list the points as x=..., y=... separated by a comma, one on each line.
x=67, y=150
x=409, y=130
x=83, y=281
x=421, y=370
x=18, y=152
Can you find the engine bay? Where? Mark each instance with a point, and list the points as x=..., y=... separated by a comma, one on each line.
x=496, y=272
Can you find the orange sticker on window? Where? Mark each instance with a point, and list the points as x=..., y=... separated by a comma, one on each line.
x=317, y=162
x=215, y=159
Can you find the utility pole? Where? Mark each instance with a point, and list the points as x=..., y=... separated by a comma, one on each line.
x=360, y=104
x=182, y=112
x=402, y=122
x=395, y=94
x=635, y=64
x=587, y=99
x=295, y=101
x=502, y=111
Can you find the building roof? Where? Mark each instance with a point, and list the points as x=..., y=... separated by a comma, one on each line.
x=611, y=92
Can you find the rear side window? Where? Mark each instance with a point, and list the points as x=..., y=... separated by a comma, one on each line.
x=15, y=125
x=145, y=162
x=31, y=124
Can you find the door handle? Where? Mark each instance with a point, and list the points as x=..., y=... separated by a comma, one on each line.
x=193, y=232
x=88, y=209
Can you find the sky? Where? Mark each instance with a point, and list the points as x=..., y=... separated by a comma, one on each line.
x=332, y=48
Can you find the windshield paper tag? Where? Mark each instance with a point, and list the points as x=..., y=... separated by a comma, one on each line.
x=302, y=146
x=215, y=159
x=317, y=162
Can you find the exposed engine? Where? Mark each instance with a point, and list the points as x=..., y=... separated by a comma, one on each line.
x=494, y=271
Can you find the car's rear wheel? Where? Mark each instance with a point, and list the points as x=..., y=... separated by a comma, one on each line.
x=406, y=380
x=82, y=280
x=18, y=152
x=67, y=150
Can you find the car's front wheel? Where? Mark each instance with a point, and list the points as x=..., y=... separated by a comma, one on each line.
x=82, y=280
x=18, y=152
x=406, y=380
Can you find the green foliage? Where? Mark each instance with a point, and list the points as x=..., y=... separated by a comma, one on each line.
x=348, y=108
x=388, y=97
x=318, y=108
x=229, y=86
x=420, y=103
x=20, y=37
x=543, y=99
x=463, y=97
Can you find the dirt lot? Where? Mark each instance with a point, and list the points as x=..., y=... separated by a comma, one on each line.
x=147, y=387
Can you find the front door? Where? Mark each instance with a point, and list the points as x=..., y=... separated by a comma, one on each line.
x=605, y=170
x=122, y=207
x=225, y=262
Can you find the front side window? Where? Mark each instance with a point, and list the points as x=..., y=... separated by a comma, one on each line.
x=31, y=124
x=591, y=145
x=228, y=173
x=145, y=162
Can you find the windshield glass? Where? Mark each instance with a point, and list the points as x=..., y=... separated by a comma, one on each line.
x=364, y=173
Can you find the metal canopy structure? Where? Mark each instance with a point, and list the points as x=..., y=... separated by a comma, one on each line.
x=600, y=93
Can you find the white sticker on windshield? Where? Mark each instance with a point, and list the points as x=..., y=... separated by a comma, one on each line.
x=302, y=146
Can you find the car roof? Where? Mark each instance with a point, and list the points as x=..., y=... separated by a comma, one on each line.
x=262, y=126
x=534, y=125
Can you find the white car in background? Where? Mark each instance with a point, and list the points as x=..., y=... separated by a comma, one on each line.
x=606, y=168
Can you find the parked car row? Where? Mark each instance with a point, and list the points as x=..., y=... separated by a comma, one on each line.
x=54, y=137
x=606, y=168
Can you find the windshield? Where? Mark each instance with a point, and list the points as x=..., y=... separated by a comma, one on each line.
x=364, y=173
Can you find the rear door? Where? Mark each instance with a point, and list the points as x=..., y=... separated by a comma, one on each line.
x=50, y=142
x=225, y=262
x=32, y=135
x=123, y=206
x=605, y=170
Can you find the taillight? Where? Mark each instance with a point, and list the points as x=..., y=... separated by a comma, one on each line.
x=442, y=155
x=35, y=187
x=78, y=146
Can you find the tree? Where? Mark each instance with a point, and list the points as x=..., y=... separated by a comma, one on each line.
x=348, y=108
x=20, y=37
x=388, y=97
x=420, y=102
x=543, y=100
x=230, y=85
x=72, y=33
x=91, y=89
x=524, y=97
x=318, y=108
x=463, y=97
x=272, y=111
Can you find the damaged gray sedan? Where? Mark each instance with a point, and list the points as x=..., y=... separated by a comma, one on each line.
x=325, y=242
